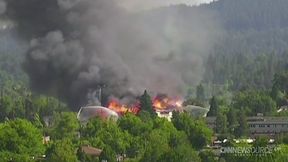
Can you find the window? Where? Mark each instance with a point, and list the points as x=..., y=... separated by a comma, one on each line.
x=252, y=125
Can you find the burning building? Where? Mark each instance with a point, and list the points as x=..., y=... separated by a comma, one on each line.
x=162, y=105
x=121, y=109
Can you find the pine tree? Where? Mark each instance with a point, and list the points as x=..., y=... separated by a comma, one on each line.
x=242, y=129
x=232, y=120
x=200, y=94
x=221, y=123
x=146, y=103
x=213, y=107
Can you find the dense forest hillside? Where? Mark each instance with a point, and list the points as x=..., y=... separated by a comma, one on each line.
x=254, y=46
x=251, y=38
x=253, y=26
x=244, y=15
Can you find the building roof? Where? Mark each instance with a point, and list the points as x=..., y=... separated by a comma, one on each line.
x=91, y=150
x=88, y=112
x=256, y=119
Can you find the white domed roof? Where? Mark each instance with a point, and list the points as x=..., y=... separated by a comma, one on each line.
x=88, y=112
x=196, y=111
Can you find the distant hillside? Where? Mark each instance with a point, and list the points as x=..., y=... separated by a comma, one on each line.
x=253, y=26
x=255, y=45
x=242, y=15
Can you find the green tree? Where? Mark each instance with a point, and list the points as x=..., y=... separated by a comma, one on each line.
x=108, y=155
x=200, y=93
x=155, y=146
x=134, y=125
x=37, y=122
x=7, y=105
x=102, y=134
x=214, y=106
x=8, y=157
x=180, y=149
x=232, y=120
x=192, y=101
x=281, y=154
x=47, y=106
x=197, y=131
x=145, y=116
x=62, y=151
x=65, y=125
x=221, y=123
x=183, y=153
x=207, y=156
x=242, y=129
x=146, y=103
x=20, y=137
x=261, y=141
x=253, y=102
x=280, y=81
x=280, y=87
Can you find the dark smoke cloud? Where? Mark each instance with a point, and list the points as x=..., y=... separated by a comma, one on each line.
x=78, y=46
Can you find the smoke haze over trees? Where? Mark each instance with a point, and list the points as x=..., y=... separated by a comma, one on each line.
x=75, y=46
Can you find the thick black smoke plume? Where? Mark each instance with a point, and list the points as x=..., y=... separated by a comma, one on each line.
x=77, y=46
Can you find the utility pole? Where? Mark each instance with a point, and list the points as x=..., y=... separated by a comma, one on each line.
x=100, y=95
x=100, y=86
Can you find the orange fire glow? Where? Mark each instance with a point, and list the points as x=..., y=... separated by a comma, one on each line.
x=122, y=109
x=162, y=103
x=159, y=103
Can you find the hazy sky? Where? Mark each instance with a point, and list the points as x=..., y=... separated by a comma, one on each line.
x=146, y=4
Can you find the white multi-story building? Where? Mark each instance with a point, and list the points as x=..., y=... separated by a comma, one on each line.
x=259, y=125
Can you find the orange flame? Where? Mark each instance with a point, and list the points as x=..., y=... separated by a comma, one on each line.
x=159, y=103
x=162, y=103
x=122, y=109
